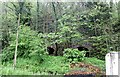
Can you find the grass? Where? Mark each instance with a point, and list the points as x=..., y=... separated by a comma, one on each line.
x=51, y=65
x=55, y=64
x=96, y=62
x=8, y=70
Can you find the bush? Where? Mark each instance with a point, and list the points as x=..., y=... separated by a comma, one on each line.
x=74, y=55
x=29, y=44
x=99, y=47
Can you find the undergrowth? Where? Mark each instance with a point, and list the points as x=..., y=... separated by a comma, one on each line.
x=51, y=65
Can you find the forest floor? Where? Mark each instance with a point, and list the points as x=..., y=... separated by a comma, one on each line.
x=90, y=69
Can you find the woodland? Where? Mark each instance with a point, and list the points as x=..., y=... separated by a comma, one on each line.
x=57, y=38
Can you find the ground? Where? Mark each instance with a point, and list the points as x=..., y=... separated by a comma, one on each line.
x=53, y=65
x=85, y=69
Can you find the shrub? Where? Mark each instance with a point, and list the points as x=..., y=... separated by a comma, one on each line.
x=74, y=55
x=29, y=44
x=100, y=47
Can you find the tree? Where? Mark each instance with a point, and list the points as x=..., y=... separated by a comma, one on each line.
x=15, y=56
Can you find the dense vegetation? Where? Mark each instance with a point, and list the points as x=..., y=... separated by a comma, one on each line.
x=47, y=38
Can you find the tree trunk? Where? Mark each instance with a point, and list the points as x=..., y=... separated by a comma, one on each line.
x=15, y=55
x=37, y=24
x=118, y=10
x=55, y=15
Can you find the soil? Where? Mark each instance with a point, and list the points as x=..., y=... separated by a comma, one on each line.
x=89, y=69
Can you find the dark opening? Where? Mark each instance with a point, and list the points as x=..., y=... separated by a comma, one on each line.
x=82, y=48
x=50, y=50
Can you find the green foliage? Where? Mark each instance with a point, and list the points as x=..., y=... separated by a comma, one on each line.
x=50, y=66
x=54, y=64
x=67, y=28
x=95, y=24
x=7, y=69
x=11, y=71
x=99, y=47
x=29, y=44
x=74, y=55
